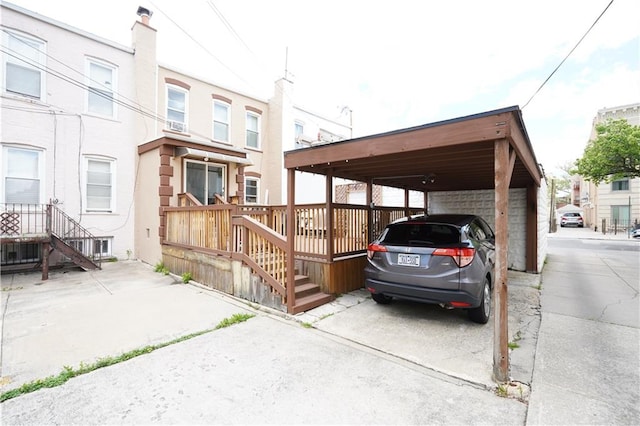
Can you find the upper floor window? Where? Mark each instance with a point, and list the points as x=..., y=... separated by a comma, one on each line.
x=620, y=185
x=23, y=63
x=102, y=84
x=221, y=121
x=177, y=101
x=253, y=130
x=100, y=176
x=22, y=175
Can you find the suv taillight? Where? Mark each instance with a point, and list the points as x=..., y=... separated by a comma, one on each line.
x=372, y=248
x=462, y=256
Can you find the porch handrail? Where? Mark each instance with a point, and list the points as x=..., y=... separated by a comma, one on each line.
x=71, y=232
x=263, y=249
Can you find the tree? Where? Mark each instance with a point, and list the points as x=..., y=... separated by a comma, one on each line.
x=613, y=154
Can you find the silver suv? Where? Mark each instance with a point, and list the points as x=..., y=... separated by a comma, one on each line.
x=441, y=259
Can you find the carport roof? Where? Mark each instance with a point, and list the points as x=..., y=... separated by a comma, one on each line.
x=458, y=154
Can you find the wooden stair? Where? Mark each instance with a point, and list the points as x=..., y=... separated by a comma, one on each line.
x=308, y=295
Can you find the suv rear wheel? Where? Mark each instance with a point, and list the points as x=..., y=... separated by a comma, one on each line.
x=482, y=313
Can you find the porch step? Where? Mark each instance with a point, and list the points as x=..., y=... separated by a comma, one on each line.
x=310, y=302
x=308, y=294
x=301, y=279
x=306, y=289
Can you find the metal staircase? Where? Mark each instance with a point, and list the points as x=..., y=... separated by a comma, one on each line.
x=72, y=240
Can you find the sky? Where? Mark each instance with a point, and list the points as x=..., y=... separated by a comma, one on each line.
x=403, y=63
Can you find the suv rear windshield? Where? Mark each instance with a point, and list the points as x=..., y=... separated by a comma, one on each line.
x=421, y=234
x=571, y=215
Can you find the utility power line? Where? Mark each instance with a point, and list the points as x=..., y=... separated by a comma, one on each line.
x=568, y=54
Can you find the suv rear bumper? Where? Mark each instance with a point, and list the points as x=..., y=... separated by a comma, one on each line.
x=422, y=294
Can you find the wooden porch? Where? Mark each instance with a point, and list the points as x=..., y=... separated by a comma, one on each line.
x=327, y=261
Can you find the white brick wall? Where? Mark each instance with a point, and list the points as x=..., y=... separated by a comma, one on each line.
x=482, y=203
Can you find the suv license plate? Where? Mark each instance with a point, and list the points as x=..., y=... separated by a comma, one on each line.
x=409, y=259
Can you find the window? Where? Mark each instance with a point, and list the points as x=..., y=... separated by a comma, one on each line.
x=205, y=180
x=100, y=176
x=253, y=130
x=620, y=185
x=251, y=190
x=23, y=169
x=298, y=131
x=102, y=247
x=24, y=62
x=620, y=215
x=221, y=121
x=176, y=109
x=102, y=87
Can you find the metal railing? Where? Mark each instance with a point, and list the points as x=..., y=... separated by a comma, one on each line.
x=73, y=234
x=23, y=220
x=24, y=226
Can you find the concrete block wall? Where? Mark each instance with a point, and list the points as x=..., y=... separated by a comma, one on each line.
x=482, y=203
x=543, y=224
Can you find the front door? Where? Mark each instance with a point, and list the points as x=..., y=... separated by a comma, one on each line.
x=205, y=180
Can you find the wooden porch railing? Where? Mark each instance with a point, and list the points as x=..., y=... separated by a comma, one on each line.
x=262, y=249
x=256, y=234
x=209, y=227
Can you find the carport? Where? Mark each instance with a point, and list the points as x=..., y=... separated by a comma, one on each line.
x=489, y=150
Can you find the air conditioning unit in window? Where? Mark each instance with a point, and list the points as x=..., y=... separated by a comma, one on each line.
x=177, y=126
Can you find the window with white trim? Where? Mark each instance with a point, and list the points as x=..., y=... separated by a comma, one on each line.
x=251, y=189
x=620, y=185
x=177, y=101
x=102, y=85
x=253, y=130
x=22, y=175
x=100, y=175
x=23, y=65
x=102, y=247
x=221, y=121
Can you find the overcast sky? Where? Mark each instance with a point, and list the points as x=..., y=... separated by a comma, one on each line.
x=400, y=63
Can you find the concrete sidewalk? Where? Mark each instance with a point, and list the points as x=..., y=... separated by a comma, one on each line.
x=589, y=234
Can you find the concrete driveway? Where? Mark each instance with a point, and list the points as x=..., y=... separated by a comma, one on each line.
x=358, y=363
x=77, y=317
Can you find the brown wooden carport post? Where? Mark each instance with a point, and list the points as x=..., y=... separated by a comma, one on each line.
x=328, y=222
x=503, y=165
x=291, y=239
x=369, y=201
x=407, y=212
